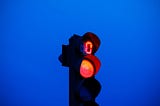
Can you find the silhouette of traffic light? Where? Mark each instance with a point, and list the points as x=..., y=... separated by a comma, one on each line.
x=83, y=66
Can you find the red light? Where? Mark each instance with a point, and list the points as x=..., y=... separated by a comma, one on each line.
x=88, y=46
x=86, y=69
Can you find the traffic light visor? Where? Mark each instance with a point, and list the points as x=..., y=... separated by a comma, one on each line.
x=89, y=36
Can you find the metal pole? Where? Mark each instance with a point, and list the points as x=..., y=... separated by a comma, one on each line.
x=72, y=88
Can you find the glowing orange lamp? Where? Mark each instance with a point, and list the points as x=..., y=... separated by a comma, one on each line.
x=86, y=69
x=90, y=65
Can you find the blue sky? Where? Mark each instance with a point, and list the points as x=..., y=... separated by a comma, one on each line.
x=34, y=30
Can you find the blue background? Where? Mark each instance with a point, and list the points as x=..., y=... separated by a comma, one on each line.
x=32, y=32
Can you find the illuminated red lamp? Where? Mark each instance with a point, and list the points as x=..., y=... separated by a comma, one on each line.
x=89, y=66
x=86, y=69
x=88, y=47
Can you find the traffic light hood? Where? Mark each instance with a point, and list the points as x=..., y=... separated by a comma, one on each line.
x=89, y=36
x=88, y=89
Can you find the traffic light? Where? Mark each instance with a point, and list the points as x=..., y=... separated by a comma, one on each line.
x=83, y=66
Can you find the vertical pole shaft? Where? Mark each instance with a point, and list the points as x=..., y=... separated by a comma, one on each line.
x=72, y=86
x=73, y=77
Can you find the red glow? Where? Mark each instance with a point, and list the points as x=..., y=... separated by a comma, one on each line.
x=88, y=46
x=86, y=69
x=95, y=62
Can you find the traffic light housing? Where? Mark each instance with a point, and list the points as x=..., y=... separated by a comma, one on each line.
x=83, y=66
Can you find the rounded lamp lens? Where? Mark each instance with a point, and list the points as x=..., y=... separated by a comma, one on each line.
x=86, y=69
